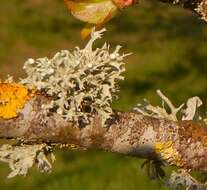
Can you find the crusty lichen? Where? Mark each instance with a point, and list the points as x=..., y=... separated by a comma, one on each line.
x=13, y=97
x=167, y=153
x=82, y=82
x=165, y=150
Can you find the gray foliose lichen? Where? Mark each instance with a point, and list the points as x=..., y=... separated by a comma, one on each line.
x=82, y=82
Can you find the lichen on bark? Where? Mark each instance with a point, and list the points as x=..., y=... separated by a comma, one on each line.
x=13, y=97
x=165, y=135
x=82, y=82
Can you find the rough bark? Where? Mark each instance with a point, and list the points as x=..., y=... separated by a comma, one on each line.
x=183, y=144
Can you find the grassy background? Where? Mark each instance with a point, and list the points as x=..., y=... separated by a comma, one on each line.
x=169, y=53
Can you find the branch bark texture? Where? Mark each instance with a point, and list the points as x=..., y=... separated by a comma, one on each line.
x=183, y=144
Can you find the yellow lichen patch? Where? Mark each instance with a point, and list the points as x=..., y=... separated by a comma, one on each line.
x=166, y=152
x=13, y=97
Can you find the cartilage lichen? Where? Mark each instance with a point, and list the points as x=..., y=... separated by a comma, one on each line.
x=82, y=82
x=187, y=113
x=22, y=157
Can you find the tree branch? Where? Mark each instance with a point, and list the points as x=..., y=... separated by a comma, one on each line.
x=183, y=144
x=66, y=101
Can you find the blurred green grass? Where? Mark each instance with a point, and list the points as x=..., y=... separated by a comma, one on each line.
x=169, y=53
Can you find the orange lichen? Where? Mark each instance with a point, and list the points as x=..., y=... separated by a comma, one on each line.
x=13, y=97
x=190, y=129
x=167, y=152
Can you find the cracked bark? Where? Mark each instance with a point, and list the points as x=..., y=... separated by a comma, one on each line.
x=129, y=134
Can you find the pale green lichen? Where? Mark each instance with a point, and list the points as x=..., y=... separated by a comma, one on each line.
x=22, y=157
x=82, y=82
x=186, y=111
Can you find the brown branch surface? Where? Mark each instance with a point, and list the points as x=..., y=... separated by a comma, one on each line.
x=183, y=144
